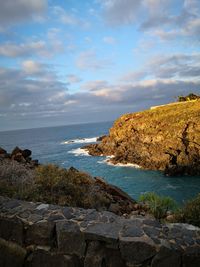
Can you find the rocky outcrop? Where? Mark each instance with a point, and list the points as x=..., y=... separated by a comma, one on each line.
x=100, y=138
x=166, y=138
x=19, y=178
x=43, y=235
x=19, y=155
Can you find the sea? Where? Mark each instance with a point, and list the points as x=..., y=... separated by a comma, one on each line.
x=62, y=146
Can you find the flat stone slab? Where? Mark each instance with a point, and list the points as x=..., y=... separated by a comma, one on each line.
x=88, y=236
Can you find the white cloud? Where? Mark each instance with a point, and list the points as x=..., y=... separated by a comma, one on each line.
x=40, y=48
x=178, y=66
x=109, y=40
x=94, y=85
x=73, y=78
x=69, y=18
x=193, y=6
x=12, y=12
x=118, y=12
x=23, y=49
x=88, y=60
x=156, y=17
x=24, y=100
x=31, y=67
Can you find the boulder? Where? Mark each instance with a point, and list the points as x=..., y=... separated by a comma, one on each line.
x=40, y=233
x=166, y=257
x=19, y=157
x=26, y=153
x=42, y=258
x=12, y=230
x=2, y=151
x=11, y=254
x=70, y=239
x=100, y=138
x=136, y=250
x=16, y=151
x=191, y=256
x=98, y=255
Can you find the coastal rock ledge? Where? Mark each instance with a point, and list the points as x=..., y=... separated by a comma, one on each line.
x=43, y=235
x=164, y=138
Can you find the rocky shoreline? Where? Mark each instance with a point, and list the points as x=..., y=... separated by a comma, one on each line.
x=166, y=138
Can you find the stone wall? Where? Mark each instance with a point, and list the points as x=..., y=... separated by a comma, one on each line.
x=35, y=234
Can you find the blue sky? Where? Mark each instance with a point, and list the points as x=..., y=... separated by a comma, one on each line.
x=73, y=61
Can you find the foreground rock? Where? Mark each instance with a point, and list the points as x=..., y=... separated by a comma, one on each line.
x=19, y=155
x=43, y=235
x=165, y=138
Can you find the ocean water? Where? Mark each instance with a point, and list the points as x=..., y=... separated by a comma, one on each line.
x=62, y=146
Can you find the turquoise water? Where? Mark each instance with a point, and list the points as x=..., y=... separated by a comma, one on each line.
x=53, y=145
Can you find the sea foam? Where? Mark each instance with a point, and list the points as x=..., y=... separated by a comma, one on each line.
x=79, y=152
x=80, y=141
x=109, y=162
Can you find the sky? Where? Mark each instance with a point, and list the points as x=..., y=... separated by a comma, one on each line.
x=77, y=61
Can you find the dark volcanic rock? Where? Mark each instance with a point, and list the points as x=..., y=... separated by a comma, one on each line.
x=164, y=138
x=19, y=155
x=91, y=239
x=70, y=239
x=26, y=153
x=16, y=151
x=100, y=138
x=2, y=151
x=42, y=258
x=11, y=254
x=166, y=257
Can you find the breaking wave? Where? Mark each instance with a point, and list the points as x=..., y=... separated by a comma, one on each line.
x=79, y=152
x=80, y=141
x=108, y=162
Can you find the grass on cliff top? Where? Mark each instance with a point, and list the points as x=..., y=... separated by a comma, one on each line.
x=168, y=120
x=173, y=113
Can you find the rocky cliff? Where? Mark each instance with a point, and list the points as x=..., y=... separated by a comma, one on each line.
x=164, y=138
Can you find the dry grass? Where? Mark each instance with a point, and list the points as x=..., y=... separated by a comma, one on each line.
x=51, y=184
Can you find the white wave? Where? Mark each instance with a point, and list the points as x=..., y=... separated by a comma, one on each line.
x=127, y=165
x=79, y=152
x=64, y=162
x=80, y=141
x=169, y=186
x=108, y=162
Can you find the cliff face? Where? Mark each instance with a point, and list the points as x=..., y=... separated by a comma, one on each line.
x=164, y=138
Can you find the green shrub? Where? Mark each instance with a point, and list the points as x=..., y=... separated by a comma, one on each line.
x=68, y=187
x=158, y=205
x=189, y=97
x=190, y=213
x=52, y=184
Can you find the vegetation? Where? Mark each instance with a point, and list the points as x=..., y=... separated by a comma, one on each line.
x=51, y=184
x=16, y=180
x=158, y=205
x=188, y=97
x=190, y=213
